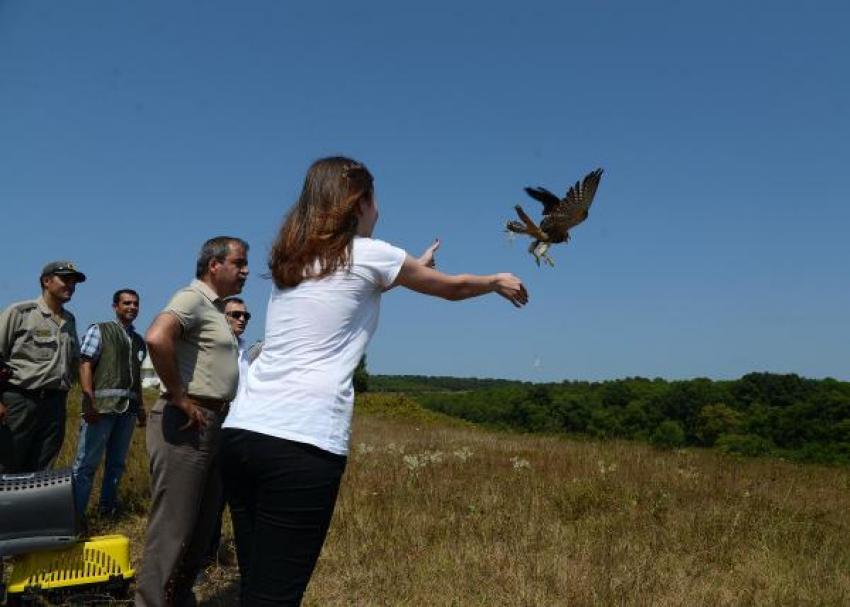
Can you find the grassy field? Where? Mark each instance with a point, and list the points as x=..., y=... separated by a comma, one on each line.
x=436, y=512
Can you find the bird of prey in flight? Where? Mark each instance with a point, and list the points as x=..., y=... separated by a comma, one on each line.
x=560, y=215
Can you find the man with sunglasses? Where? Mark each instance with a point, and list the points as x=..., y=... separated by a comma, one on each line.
x=39, y=350
x=237, y=316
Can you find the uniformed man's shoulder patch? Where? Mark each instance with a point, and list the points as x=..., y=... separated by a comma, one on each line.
x=24, y=306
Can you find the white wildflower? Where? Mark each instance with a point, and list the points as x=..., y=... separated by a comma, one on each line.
x=463, y=454
x=606, y=468
x=688, y=473
x=414, y=462
x=434, y=457
x=364, y=448
x=395, y=449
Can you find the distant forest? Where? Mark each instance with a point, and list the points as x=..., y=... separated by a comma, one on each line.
x=759, y=414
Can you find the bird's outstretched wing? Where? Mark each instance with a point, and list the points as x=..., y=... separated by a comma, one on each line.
x=573, y=209
x=579, y=197
x=549, y=200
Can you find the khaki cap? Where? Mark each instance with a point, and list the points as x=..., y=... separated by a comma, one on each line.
x=63, y=268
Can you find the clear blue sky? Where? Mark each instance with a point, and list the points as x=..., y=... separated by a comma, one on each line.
x=132, y=131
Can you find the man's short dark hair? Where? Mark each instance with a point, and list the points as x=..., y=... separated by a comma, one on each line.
x=116, y=297
x=216, y=248
x=234, y=299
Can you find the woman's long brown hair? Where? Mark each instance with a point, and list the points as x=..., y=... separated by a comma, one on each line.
x=316, y=236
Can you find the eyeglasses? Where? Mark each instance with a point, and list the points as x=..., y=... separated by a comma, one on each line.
x=239, y=315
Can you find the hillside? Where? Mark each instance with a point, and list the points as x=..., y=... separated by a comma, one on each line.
x=783, y=415
x=435, y=511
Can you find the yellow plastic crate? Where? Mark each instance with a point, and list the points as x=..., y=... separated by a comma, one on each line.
x=101, y=559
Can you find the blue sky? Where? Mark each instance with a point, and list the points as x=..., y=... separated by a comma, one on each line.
x=132, y=131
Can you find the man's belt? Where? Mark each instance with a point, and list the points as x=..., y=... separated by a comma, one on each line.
x=115, y=393
x=212, y=404
x=39, y=393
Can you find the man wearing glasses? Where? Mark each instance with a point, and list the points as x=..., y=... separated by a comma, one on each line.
x=39, y=351
x=237, y=316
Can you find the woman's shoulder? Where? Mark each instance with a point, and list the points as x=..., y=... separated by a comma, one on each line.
x=366, y=243
x=375, y=245
x=377, y=258
x=366, y=250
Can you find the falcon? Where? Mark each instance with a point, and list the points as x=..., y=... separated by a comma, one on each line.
x=559, y=215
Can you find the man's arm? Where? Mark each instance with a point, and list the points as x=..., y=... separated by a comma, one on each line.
x=90, y=413
x=142, y=417
x=8, y=324
x=5, y=374
x=9, y=320
x=141, y=414
x=161, y=340
x=89, y=355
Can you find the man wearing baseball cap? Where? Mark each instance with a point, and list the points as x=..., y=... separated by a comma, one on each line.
x=40, y=351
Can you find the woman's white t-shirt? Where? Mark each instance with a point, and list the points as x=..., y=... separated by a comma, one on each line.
x=300, y=387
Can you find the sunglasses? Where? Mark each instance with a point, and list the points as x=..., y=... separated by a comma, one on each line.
x=239, y=315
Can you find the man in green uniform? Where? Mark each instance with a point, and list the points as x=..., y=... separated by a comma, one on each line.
x=39, y=346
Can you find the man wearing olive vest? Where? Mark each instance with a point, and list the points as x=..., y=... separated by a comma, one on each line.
x=110, y=378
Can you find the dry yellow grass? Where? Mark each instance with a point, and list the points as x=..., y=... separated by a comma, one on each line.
x=436, y=512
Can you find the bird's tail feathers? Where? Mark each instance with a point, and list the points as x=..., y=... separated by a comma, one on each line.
x=518, y=227
x=531, y=228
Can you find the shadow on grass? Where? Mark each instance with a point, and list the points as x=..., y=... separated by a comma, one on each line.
x=220, y=588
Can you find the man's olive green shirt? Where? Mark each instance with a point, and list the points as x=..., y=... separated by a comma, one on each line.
x=207, y=351
x=41, y=348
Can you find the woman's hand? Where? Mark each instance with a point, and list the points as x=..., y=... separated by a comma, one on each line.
x=427, y=258
x=511, y=288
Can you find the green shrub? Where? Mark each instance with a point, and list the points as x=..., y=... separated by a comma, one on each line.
x=744, y=444
x=361, y=377
x=716, y=420
x=668, y=434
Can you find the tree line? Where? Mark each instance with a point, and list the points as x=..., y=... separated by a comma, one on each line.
x=758, y=414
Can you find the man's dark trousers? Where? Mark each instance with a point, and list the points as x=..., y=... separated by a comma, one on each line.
x=35, y=428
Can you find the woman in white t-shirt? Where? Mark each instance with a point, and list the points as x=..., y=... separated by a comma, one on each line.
x=285, y=440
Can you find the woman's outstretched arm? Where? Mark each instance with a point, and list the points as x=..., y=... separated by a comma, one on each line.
x=420, y=278
x=426, y=259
